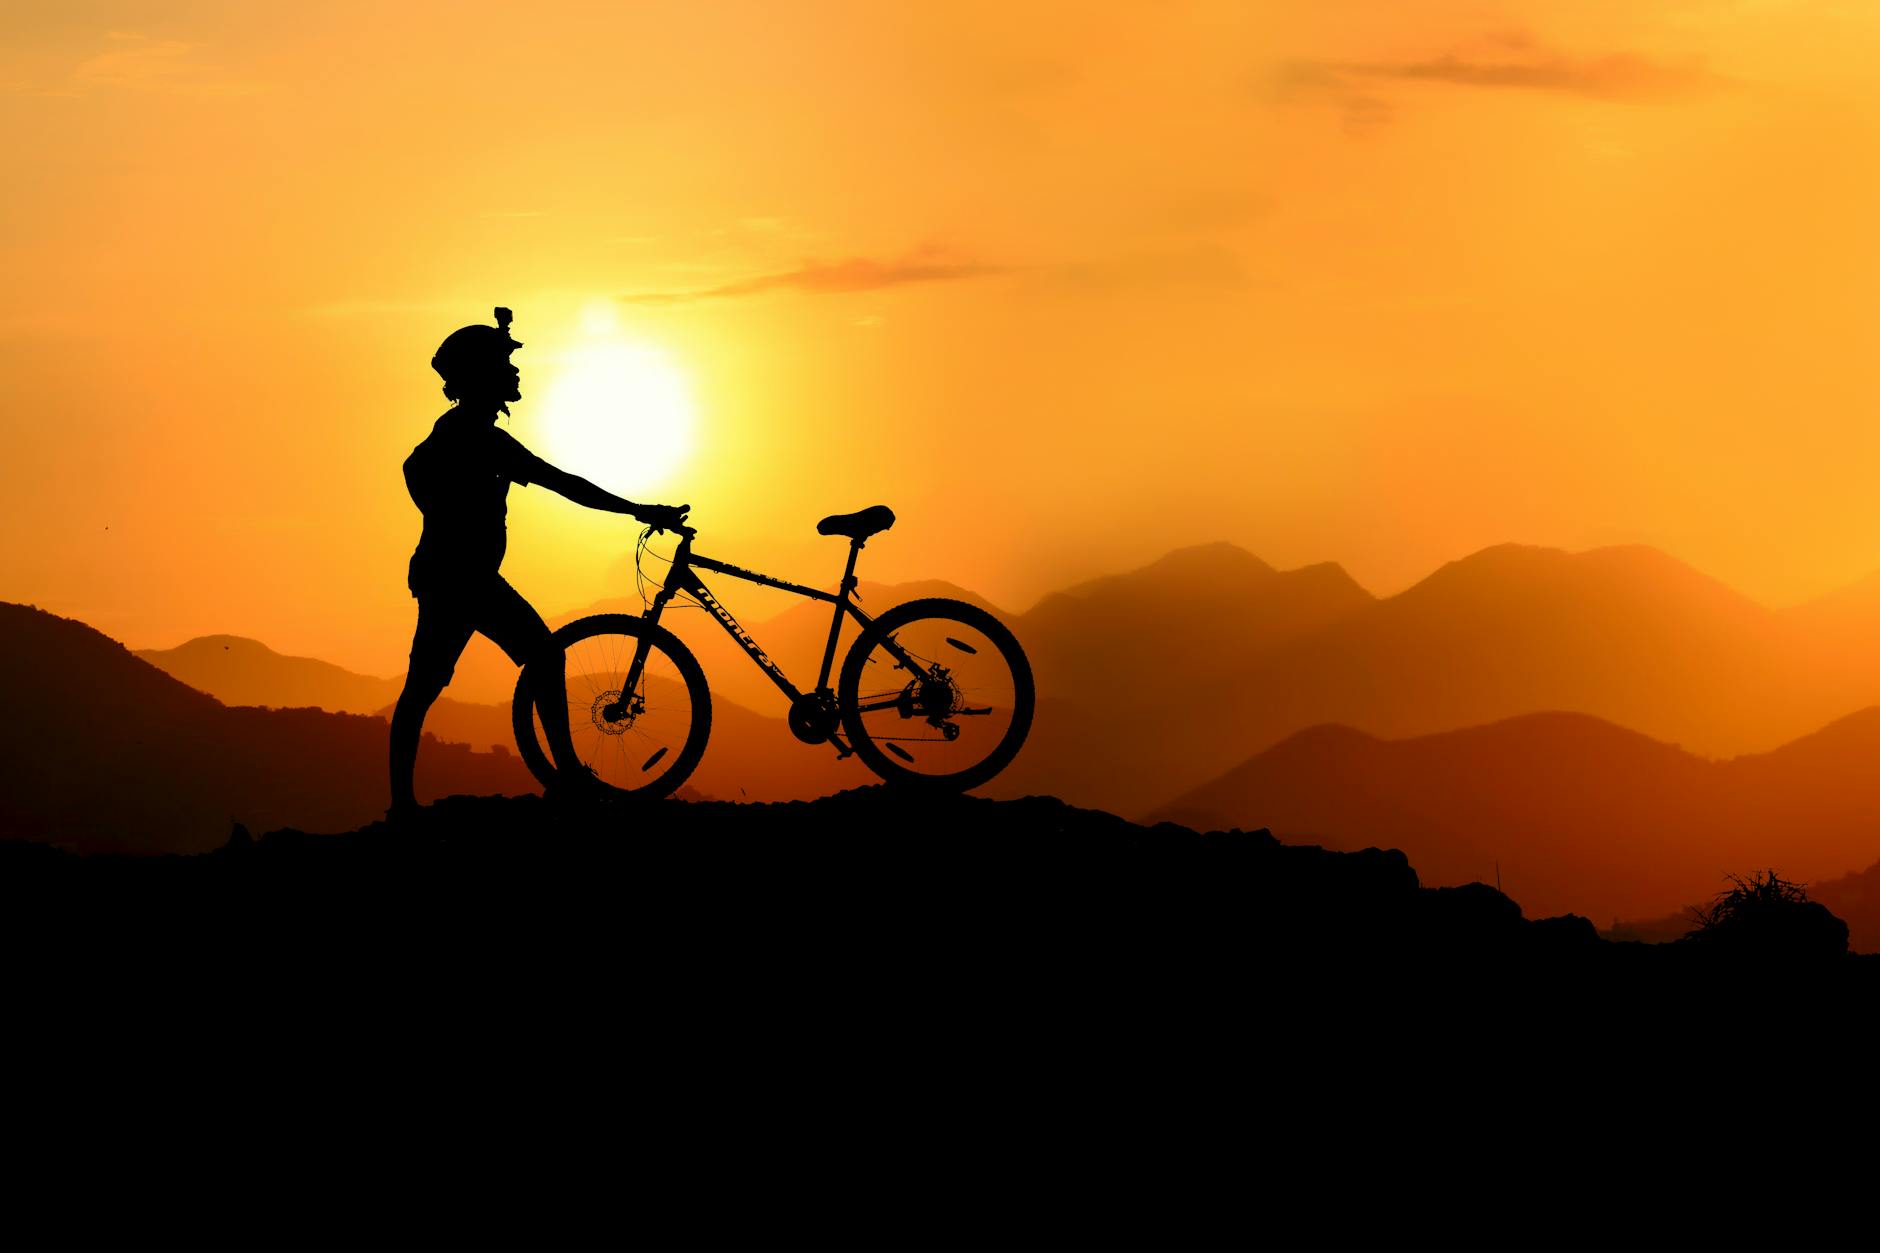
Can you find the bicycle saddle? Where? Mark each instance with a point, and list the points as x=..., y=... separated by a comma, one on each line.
x=857, y=526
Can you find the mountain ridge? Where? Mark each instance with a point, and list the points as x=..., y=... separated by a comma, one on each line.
x=1619, y=823
x=1151, y=688
x=240, y=671
x=103, y=751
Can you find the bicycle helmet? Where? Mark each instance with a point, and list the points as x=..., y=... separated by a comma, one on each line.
x=473, y=350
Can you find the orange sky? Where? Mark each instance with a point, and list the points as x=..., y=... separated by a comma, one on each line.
x=1380, y=283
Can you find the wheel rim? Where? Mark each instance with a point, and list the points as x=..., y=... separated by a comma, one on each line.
x=950, y=717
x=635, y=739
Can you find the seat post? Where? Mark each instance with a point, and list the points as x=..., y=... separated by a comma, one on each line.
x=835, y=624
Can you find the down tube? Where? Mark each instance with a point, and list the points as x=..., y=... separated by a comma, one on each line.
x=703, y=595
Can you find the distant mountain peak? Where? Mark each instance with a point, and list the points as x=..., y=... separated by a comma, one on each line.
x=1859, y=731
x=1321, y=736
x=1543, y=557
x=1505, y=567
x=1218, y=558
x=1859, y=597
x=222, y=643
x=1218, y=564
x=237, y=670
x=1502, y=557
x=1328, y=574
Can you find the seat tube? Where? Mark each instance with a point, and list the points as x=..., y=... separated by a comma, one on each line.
x=842, y=604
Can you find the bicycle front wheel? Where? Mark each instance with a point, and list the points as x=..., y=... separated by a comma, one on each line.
x=637, y=706
x=936, y=693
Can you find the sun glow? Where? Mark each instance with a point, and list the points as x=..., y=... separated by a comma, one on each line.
x=618, y=412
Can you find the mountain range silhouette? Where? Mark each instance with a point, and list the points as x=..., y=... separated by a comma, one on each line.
x=104, y=752
x=1210, y=658
x=1624, y=634
x=238, y=671
x=1175, y=672
x=1570, y=812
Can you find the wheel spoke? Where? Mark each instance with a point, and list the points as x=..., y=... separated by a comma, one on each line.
x=668, y=728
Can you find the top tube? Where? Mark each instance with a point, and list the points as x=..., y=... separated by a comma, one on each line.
x=683, y=558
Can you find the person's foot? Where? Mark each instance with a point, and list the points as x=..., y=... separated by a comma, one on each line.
x=580, y=785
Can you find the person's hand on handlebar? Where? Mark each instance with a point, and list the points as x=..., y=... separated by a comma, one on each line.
x=663, y=517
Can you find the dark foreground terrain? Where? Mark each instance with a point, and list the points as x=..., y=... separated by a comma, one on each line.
x=861, y=901
x=878, y=1001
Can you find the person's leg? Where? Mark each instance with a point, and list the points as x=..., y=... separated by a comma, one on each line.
x=435, y=646
x=518, y=630
x=550, y=691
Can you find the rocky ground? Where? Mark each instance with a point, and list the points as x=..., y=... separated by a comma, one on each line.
x=869, y=887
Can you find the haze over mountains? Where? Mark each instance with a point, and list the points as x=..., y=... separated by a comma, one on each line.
x=1166, y=676
x=1566, y=808
x=238, y=671
x=1624, y=634
x=1185, y=687
x=104, y=752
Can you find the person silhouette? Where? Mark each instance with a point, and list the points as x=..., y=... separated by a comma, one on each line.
x=459, y=478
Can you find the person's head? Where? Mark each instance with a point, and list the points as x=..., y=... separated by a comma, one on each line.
x=474, y=363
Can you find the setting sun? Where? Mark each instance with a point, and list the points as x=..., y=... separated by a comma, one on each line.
x=618, y=412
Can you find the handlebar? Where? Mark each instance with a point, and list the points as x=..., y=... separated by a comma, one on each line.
x=683, y=531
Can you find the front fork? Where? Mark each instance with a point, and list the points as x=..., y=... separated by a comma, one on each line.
x=630, y=699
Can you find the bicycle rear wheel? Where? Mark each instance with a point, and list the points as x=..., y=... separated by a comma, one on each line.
x=642, y=734
x=936, y=693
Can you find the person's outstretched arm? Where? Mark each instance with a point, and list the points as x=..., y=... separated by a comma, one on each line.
x=593, y=496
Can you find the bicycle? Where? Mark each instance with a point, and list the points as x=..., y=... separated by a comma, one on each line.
x=935, y=693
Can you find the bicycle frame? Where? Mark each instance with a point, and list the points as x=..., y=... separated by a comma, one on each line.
x=683, y=577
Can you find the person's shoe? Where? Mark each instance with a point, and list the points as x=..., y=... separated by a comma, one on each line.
x=404, y=815
x=581, y=786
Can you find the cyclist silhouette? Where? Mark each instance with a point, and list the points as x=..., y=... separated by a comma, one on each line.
x=459, y=478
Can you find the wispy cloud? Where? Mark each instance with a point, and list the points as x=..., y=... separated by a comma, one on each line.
x=853, y=274
x=1620, y=76
x=135, y=62
x=1360, y=111
x=1509, y=62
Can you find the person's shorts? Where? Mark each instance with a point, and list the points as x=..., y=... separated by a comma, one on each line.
x=449, y=614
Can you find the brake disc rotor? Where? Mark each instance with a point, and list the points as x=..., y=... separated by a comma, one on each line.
x=598, y=711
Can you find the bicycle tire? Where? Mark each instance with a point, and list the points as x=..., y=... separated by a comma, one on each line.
x=575, y=642
x=865, y=735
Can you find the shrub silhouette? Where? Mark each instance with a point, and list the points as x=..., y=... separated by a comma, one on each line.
x=1770, y=915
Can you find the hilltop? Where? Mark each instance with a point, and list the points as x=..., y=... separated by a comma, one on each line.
x=860, y=901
